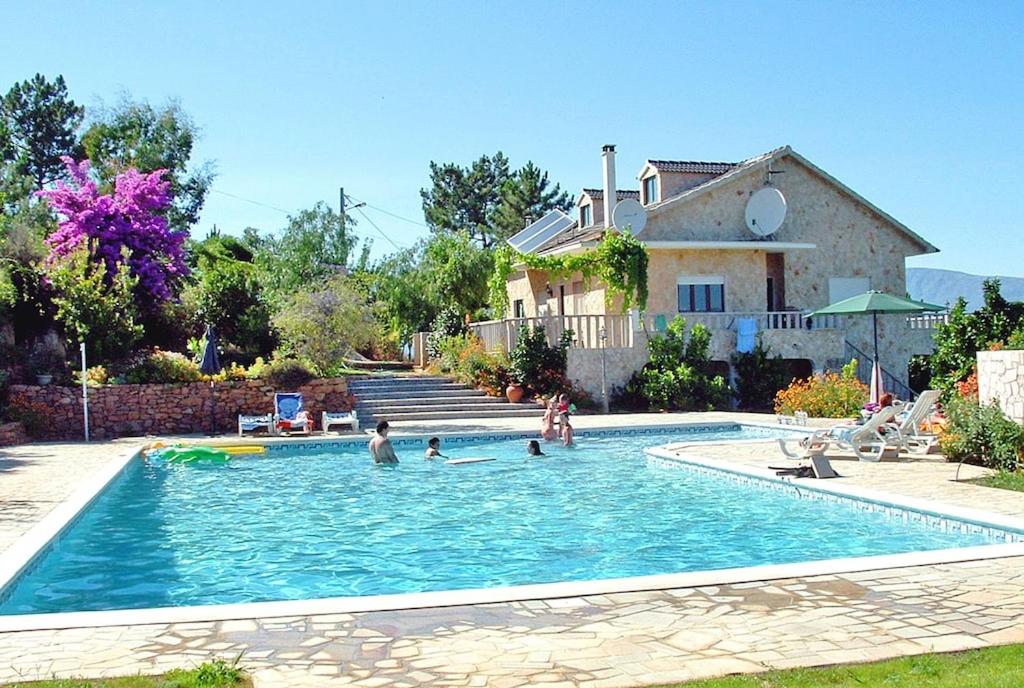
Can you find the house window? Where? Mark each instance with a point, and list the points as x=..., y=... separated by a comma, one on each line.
x=699, y=295
x=518, y=309
x=586, y=216
x=650, y=190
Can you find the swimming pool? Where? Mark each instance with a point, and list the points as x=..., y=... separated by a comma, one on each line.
x=319, y=520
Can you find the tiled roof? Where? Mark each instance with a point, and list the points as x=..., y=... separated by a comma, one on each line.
x=590, y=233
x=619, y=193
x=693, y=166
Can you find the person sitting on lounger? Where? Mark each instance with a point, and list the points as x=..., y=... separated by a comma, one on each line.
x=433, y=449
x=380, y=446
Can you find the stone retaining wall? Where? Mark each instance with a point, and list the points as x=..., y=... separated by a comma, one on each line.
x=12, y=433
x=134, y=410
x=1001, y=377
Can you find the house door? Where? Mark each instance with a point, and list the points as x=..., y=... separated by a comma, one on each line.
x=775, y=288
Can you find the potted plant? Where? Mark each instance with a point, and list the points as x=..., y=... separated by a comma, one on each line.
x=514, y=392
x=45, y=361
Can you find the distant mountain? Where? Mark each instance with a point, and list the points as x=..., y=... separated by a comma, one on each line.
x=944, y=286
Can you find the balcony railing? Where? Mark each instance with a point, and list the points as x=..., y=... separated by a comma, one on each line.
x=627, y=330
x=927, y=321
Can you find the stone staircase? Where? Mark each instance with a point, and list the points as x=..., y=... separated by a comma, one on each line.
x=418, y=397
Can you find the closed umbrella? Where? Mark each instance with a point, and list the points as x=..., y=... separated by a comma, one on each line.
x=875, y=302
x=211, y=366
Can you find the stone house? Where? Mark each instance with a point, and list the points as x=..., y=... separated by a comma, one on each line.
x=706, y=264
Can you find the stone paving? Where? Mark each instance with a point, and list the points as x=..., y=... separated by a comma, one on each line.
x=622, y=639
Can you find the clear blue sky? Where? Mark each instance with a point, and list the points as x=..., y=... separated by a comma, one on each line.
x=917, y=106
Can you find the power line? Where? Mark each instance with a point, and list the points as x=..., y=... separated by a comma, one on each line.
x=249, y=200
x=388, y=212
x=374, y=225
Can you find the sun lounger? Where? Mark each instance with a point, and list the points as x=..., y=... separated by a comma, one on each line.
x=327, y=419
x=248, y=423
x=290, y=414
x=819, y=468
x=866, y=441
x=908, y=433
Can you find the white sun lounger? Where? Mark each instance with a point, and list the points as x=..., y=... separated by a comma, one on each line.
x=865, y=441
x=909, y=435
x=327, y=419
x=248, y=423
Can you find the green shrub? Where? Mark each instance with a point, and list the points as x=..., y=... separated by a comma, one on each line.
x=679, y=375
x=47, y=358
x=448, y=323
x=283, y=373
x=535, y=365
x=981, y=433
x=827, y=395
x=1016, y=340
x=161, y=367
x=449, y=349
x=759, y=377
x=94, y=377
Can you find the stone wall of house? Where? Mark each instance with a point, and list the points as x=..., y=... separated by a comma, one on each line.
x=1001, y=378
x=135, y=410
x=584, y=367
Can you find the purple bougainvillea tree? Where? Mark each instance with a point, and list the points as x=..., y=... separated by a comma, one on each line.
x=128, y=224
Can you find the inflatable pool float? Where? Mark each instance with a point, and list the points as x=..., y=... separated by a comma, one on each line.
x=192, y=454
x=459, y=462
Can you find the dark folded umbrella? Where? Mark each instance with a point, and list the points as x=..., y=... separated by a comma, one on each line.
x=211, y=366
x=211, y=361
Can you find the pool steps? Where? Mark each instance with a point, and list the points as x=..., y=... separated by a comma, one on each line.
x=403, y=397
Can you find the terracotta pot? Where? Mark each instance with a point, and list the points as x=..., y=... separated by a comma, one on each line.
x=514, y=393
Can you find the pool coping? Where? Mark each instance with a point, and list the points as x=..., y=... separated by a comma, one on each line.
x=36, y=541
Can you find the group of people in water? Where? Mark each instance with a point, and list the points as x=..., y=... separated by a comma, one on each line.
x=557, y=412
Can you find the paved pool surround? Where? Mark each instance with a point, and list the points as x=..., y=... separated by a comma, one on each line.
x=621, y=636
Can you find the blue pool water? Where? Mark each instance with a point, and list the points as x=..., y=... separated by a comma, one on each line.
x=325, y=522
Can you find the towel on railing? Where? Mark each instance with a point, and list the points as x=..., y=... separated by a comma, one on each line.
x=746, y=335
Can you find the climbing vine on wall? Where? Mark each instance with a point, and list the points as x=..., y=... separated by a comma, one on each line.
x=620, y=261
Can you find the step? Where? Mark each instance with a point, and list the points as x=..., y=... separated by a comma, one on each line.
x=433, y=394
x=395, y=379
x=496, y=412
x=418, y=386
x=479, y=400
x=467, y=409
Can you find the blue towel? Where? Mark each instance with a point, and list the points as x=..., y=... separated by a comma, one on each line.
x=288, y=405
x=746, y=335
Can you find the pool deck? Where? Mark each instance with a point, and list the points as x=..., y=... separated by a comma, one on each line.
x=614, y=639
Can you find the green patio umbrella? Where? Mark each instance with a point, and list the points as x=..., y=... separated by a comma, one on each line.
x=875, y=302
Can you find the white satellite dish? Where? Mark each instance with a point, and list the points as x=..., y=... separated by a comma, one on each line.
x=629, y=213
x=766, y=210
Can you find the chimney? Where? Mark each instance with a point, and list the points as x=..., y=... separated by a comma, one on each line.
x=608, y=156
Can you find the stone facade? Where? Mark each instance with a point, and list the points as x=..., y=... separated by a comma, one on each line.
x=584, y=367
x=1001, y=378
x=828, y=234
x=134, y=410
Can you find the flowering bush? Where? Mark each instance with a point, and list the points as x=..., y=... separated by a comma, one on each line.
x=283, y=373
x=162, y=367
x=33, y=415
x=968, y=389
x=828, y=395
x=981, y=433
x=131, y=220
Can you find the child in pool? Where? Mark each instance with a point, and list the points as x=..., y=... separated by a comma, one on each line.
x=533, y=448
x=433, y=449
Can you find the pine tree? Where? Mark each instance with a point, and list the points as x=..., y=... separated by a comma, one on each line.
x=526, y=198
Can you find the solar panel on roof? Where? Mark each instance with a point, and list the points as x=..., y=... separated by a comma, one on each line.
x=553, y=223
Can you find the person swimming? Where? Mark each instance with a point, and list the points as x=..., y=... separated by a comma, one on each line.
x=433, y=449
x=533, y=448
x=567, y=431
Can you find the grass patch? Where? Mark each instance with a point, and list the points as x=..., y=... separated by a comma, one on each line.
x=215, y=674
x=1004, y=480
x=992, y=667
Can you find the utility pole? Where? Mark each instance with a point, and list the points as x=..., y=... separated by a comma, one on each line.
x=341, y=211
